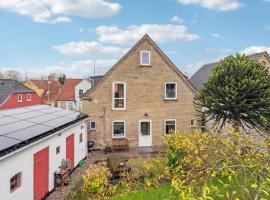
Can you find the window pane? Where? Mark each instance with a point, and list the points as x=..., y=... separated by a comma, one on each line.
x=170, y=90
x=170, y=127
x=119, y=90
x=145, y=128
x=93, y=125
x=119, y=103
x=145, y=58
x=118, y=129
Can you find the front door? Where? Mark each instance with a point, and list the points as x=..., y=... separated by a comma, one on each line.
x=145, y=133
x=70, y=149
x=41, y=173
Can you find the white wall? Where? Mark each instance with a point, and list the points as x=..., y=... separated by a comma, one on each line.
x=23, y=161
x=83, y=85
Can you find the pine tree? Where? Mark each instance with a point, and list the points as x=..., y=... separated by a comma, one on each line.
x=237, y=92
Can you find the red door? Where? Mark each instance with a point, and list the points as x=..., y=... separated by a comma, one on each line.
x=70, y=149
x=41, y=173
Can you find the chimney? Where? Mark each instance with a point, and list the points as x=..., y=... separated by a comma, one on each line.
x=51, y=78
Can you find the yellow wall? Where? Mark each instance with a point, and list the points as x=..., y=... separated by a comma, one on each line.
x=34, y=87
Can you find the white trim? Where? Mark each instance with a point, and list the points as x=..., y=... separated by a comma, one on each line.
x=92, y=129
x=28, y=95
x=165, y=121
x=192, y=126
x=145, y=64
x=176, y=88
x=113, y=129
x=125, y=95
x=20, y=95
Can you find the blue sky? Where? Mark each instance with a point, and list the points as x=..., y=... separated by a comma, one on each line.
x=65, y=36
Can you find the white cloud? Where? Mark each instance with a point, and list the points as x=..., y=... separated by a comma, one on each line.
x=84, y=48
x=82, y=68
x=59, y=20
x=159, y=32
x=56, y=11
x=220, y=5
x=256, y=49
x=215, y=35
x=177, y=19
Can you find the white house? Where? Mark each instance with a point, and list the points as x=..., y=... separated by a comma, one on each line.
x=33, y=142
x=71, y=91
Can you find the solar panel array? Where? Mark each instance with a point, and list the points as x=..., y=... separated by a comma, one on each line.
x=21, y=124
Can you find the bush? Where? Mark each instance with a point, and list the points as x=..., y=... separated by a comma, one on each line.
x=210, y=166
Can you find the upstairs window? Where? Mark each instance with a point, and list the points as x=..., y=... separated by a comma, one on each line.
x=170, y=91
x=15, y=182
x=19, y=97
x=28, y=97
x=119, y=95
x=170, y=126
x=118, y=129
x=80, y=92
x=145, y=58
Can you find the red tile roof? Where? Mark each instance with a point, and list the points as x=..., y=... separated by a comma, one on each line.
x=54, y=88
x=68, y=90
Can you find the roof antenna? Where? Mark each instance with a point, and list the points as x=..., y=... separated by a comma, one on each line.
x=94, y=72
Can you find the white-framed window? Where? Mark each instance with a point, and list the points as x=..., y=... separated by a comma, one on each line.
x=119, y=95
x=169, y=126
x=118, y=129
x=92, y=125
x=28, y=97
x=81, y=138
x=145, y=58
x=80, y=92
x=192, y=123
x=19, y=97
x=15, y=182
x=170, y=92
x=70, y=105
x=57, y=150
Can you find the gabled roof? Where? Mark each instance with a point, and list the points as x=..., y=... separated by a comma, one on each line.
x=39, y=84
x=54, y=89
x=202, y=75
x=162, y=54
x=68, y=90
x=9, y=87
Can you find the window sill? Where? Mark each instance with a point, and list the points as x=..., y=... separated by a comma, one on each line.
x=170, y=99
x=118, y=109
x=119, y=137
x=141, y=65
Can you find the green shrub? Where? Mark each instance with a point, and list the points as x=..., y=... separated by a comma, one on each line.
x=210, y=166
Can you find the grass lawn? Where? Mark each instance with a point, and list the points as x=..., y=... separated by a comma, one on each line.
x=161, y=193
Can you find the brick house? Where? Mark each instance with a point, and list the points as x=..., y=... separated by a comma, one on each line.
x=142, y=98
x=14, y=94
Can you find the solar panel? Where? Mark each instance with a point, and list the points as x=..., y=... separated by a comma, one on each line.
x=22, y=124
x=30, y=132
x=6, y=142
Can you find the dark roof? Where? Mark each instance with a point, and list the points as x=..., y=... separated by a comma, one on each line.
x=8, y=87
x=202, y=75
x=21, y=126
x=95, y=79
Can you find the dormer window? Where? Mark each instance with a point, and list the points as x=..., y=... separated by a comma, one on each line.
x=145, y=58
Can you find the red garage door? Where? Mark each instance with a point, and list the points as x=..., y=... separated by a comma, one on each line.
x=41, y=173
x=70, y=149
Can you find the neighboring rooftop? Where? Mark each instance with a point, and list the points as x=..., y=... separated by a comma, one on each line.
x=21, y=126
x=202, y=75
x=68, y=90
x=8, y=87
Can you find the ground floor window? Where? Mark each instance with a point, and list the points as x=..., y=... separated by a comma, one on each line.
x=192, y=123
x=170, y=126
x=15, y=182
x=118, y=129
